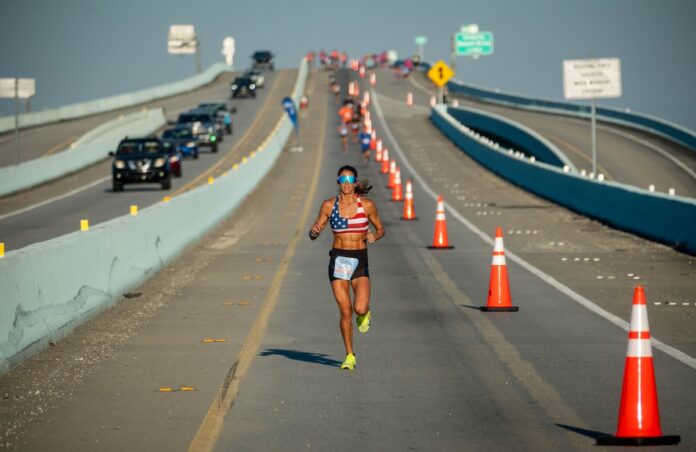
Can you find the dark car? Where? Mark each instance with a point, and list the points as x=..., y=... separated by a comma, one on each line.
x=243, y=86
x=262, y=59
x=223, y=111
x=140, y=160
x=183, y=140
x=204, y=125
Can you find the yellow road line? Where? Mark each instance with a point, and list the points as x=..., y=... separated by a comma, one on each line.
x=209, y=431
x=204, y=175
x=63, y=145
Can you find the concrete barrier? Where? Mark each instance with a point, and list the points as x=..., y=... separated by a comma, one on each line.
x=49, y=288
x=105, y=104
x=659, y=217
x=87, y=150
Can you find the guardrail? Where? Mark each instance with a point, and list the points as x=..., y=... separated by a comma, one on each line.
x=49, y=288
x=105, y=104
x=667, y=219
x=87, y=150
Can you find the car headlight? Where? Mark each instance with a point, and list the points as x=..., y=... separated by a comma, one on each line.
x=159, y=162
x=190, y=144
x=119, y=164
x=252, y=86
x=233, y=87
x=174, y=158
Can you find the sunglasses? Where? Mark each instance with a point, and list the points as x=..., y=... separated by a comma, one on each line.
x=344, y=179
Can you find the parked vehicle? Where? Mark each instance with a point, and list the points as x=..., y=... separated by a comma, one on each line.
x=183, y=140
x=243, y=86
x=262, y=59
x=140, y=160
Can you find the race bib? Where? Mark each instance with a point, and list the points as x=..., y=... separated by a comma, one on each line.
x=344, y=267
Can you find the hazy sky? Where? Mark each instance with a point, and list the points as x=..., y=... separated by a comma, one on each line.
x=84, y=49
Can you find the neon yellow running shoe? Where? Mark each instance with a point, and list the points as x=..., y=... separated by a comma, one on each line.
x=349, y=363
x=364, y=322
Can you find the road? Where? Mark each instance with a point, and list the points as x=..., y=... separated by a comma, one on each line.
x=433, y=373
x=253, y=121
x=623, y=154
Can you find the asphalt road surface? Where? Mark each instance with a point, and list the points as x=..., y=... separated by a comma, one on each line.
x=95, y=201
x=433, y=372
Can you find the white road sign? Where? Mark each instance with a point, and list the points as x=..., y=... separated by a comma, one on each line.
x=26, y=87
x=592, y=78
x=228, y=50
x=181, y=39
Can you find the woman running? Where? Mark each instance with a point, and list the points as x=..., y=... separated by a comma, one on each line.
x=350, y=217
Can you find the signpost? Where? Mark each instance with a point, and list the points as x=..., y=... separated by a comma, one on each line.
x=440, y=74
x=17, y=88
x=182, y=40
x=592, y=79
x=228, y=50
x=420, y=41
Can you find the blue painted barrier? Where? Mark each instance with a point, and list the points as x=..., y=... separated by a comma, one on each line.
x=667, y=219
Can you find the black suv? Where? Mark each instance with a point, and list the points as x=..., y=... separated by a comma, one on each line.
x=205, y=125
x=262, y=59
x=243, y=86
x=140, y=160
x=223, y=111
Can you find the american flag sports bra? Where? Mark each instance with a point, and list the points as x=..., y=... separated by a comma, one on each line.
x=357, y=223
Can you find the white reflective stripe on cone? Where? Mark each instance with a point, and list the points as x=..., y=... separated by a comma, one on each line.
x=440, y=216
x=498, y=260
x=498, y=246
x=639, y=348
x=639, y=318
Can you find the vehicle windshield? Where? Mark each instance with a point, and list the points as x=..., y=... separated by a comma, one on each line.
x=262, y=55
x=194, y=118
x=139, y=147
x=177, y=134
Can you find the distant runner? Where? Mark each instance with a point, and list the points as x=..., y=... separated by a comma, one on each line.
x=350, y=217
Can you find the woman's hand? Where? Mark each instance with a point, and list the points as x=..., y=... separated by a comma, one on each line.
x=370, y=236
x=315, y=230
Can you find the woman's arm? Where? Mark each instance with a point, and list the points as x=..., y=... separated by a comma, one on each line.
x=373, y=216
x=323, y=218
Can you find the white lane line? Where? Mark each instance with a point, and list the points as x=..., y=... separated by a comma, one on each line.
x=54, y=199
x=671, y=351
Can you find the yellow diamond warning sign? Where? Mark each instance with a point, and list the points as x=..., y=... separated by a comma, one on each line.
x=440, y=73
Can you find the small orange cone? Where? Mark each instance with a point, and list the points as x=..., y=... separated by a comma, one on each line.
x=499, y=288
x=366, y=98
x=373, y=79
x=373, y=140
x=433, y=101
x=397, y=193
x=409, y=99
x=409, y=211
x=440, y=238
x=361, y=72
x=392, y=174
x=378, y=158
x=385, y=161
x=639, y=415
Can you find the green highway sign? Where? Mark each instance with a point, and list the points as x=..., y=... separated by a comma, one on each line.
x=480, y=43
x=420, y=40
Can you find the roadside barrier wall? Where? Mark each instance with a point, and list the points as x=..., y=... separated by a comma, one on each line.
x=49, y=288
x=87, y=150
x=666, y=129
x=105, y=104
x=526, y=139
x=659, y=217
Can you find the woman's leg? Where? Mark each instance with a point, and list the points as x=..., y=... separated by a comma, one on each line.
x=361, y=289
x=341, y=291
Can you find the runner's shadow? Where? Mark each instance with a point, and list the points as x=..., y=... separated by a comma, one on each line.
x=589, y=433
x=316, y=358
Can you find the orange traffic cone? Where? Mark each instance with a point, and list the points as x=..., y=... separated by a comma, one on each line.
x=385, y=161
x=409, y=99
x=409, y=211
x=361, y=72
x=639, y=415
x=499, y=288
x=440, y=238
x=373, y=140
x=392, y=174
x=373, y=79
x=397, y=193
x=366, y=98
x=378, y=158
x=433, y=101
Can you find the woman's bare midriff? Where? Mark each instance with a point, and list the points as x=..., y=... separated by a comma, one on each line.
x=350, y=241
